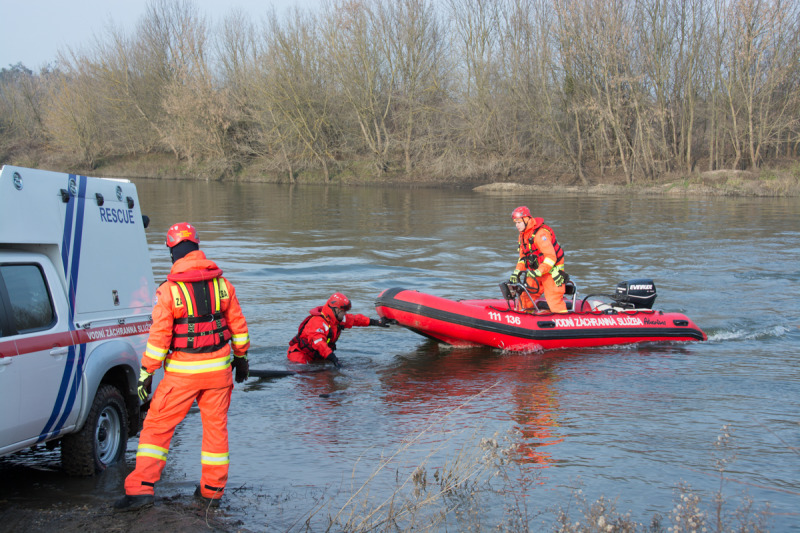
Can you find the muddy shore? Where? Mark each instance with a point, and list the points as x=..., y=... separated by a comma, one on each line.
x=166, y=515
x=36, y=496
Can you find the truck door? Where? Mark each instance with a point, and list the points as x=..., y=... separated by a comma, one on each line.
x=47, y=363
x=9, y=382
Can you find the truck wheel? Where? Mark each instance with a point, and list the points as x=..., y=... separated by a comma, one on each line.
x=102, y=440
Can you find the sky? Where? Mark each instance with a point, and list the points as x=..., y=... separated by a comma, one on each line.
x=33, y=31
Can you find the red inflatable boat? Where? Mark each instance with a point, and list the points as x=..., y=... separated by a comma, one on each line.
x=625, y=317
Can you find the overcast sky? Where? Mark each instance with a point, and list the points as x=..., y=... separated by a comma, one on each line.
x=32, y=31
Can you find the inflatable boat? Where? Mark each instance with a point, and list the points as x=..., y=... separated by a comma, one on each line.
x=625, y=317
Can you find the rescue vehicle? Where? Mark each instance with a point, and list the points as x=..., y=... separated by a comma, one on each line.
x=76, y=296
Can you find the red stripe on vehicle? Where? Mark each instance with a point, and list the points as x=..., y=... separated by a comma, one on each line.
x=38, y=343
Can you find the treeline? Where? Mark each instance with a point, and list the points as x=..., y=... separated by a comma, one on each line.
x=452, y=89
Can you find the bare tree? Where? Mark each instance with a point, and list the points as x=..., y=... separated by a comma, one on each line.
x=22, y=97
x=239, y=48
x=414, y=50
x=476, y=45
x=294, y=93
x=354, y=39
x=73, y=116
x=197, y=111
x=762, y=53
x=542, y=62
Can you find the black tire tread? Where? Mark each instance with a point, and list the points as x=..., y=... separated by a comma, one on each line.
x=78, y=454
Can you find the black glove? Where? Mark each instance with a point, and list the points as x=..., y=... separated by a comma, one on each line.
x=145, y=384
x=382, y=323
x=241, y=368
x=560, y=278
x=335, y=360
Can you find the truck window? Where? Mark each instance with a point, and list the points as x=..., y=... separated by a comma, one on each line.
x=31, y=305
x=4, y=330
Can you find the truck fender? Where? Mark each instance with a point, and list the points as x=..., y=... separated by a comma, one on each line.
x=117, y=363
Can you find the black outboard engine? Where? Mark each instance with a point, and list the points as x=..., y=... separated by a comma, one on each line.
x=636, y=293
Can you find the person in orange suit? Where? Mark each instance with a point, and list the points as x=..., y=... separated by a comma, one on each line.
x=317, y=335
x=196, y=320
x=542, y=259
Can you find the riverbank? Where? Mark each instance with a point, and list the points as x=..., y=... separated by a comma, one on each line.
x=714, y=183
x=166, y=515
x=781, y=181
x=775, y=182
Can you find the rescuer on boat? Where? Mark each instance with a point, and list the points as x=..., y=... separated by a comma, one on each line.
x=317, y=335
x=195, y=317
x=542, y=259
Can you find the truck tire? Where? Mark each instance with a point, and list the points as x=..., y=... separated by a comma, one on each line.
x=102, y=440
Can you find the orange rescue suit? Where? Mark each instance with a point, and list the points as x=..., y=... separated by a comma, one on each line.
x=539, y=240
x=195, y=316
x=317, y=335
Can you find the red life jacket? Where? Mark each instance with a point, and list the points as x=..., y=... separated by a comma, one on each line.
x=530, y=251
x=204, y=328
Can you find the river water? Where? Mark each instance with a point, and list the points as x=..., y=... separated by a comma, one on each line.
x=629, y=424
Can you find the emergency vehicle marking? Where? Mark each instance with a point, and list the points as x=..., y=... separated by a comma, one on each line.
x=35, y=344
x=69, y=249
x=578, y=322
x=73, y=392
x=114, y=331
x=69, y=338
x=119, y=216
x=603, y=321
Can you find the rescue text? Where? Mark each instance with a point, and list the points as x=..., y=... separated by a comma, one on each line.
x=117, y=216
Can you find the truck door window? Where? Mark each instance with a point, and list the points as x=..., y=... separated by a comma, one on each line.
x=4, y=329
x=31, y=305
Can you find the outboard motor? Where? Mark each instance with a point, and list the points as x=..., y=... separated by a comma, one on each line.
x=636, y=293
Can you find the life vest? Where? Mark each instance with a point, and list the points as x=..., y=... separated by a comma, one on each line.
x=530, y=252
x=298, y=340
x=204, y=328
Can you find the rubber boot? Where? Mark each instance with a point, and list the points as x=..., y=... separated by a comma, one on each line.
x=209, y=502
x=132, y=503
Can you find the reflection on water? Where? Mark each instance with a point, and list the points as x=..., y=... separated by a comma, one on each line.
x=468, y=379
x=536, y=415
x=628, y=423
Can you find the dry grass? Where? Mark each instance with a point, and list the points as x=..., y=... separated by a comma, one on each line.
x=421, y=500
x=469, y=482
x=482, y=470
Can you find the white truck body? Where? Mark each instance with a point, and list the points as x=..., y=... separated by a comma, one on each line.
x=76, y=296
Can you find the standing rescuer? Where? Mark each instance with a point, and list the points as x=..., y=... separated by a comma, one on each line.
x=195, y=317
x=317, y=335
x=542, y=258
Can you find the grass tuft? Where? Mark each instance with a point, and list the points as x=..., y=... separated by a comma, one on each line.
x=456, y=495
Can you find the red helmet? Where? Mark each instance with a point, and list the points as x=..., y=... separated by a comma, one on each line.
x=339, y=300
x=180, y=232
x=521, y=212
